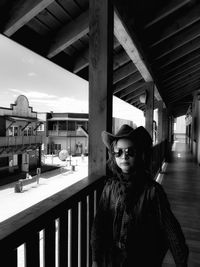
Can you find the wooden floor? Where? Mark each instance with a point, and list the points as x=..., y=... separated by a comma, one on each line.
x=181, y=182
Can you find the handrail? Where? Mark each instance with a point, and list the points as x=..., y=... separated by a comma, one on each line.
x=80, y=199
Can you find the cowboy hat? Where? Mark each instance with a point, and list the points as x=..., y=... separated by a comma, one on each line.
x=140, y=137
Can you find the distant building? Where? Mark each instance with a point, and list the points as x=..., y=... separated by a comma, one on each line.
x=64, y=131
x=68, y=131
x=20, y=146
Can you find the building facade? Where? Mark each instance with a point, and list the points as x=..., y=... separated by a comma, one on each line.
x=20, y=146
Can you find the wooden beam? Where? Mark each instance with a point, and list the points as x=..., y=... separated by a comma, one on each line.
x=82, y=60
x=179, y=24
x=176, y=41
x=181, y=63
x=125, y=39
x=177, y=54
x=135, y=94
x=124, y=71
x=22, y=12
x=167, y=10
x=100, y=82
x=160, y=121
x=130, y=89
x=183, y=82
x=182, y=76
x=149, y=108
x=133, y=78
x=69, y=34
x=181, y=70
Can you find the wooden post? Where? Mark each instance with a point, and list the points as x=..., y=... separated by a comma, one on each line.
x=149, y=108
x=100, y=82
x=160, y=121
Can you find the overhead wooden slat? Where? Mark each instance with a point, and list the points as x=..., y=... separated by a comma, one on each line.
x=135, y=94
x=22, y=12
x=181, y=70
x=185, y=85
x=187, y=92
x=177, y=54
x=181, y=63
x=69, y=34
x=177, y=41
x=133, y=78
x=179, y=24
x=182, y=76
x=184, y=81
x=130, y=89
x=124, y=71
x=82, y=61
x=167, y=10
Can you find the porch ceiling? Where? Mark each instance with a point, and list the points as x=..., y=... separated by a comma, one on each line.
x=166, y=34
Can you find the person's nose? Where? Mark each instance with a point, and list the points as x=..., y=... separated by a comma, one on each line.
x=124, y=155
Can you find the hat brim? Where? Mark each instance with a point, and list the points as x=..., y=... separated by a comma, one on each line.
x=140, y=137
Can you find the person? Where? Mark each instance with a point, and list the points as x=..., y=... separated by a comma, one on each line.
x=134, y=224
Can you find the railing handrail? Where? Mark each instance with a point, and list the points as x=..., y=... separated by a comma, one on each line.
x=23, y=222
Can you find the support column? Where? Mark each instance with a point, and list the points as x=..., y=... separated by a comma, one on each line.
x=149, y=108
x=100, y=82
x=160, y=121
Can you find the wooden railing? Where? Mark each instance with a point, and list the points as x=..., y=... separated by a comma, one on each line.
x=54, y=232
x=159, y=156
x=20, y=140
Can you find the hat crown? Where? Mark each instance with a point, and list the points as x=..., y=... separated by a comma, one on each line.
x=124, y=130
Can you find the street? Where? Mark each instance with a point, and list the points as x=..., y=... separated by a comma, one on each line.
x=50, y=183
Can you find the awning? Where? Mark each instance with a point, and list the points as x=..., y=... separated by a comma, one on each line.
x=12, y=118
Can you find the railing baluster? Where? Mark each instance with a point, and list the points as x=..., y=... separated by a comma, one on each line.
x=91, y=218
x=49, y=244
x=74, y=232
x=63, y=240
x=32, y=251
x=83, y=233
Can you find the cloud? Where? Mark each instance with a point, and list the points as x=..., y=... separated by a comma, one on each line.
x=33, y=94
x=32, y=74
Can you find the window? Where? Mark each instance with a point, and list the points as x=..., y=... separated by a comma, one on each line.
x=62, y=126
x=71, y=126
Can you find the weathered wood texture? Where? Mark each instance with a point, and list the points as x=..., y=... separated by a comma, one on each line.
x=100, y=82
x=149, y=108
x=181, y=182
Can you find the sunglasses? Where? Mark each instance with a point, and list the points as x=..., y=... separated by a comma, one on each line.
x=130, y=152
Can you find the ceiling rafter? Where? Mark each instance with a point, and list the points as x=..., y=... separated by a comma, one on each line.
x=167, y=10
x=22, y=12
x=178, y=25
x=177, y=41
x=69, y=34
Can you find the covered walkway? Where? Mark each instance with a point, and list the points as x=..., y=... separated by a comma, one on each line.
x=181, y=182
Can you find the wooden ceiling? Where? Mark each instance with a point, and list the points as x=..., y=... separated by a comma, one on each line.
x=166, y=34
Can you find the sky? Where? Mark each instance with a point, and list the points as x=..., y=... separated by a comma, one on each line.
x=47, y=86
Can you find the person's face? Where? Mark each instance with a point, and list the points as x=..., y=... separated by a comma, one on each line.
x=124, y=153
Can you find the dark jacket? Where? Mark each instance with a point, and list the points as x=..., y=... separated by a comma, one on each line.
x=136, y=227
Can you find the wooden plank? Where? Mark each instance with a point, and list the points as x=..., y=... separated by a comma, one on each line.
x=123, y=72
x=181, y=70
x=170, y=8
x=169, y=70
x=149, y=108
x=63, y=239
x=83, y=233
x=69, y=34
x=129, y=44
x=33, y=250
x=100, y=82
x=176, y=41
x=82, y=60
x=177, y=54
x=135, y=94
x=186, y=74
x=9, y=257
x=74, y=235
x=22, y=12
x=49, y=244
x=133, y=78
x=180, y=23
x=160, y=121
x=130, y=89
